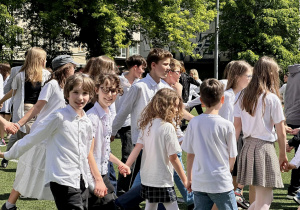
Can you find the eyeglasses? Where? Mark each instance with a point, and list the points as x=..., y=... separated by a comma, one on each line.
x=177, y=72
x=113, y=91
x=248, y=76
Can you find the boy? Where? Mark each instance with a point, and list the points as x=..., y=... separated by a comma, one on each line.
x=136, y=65
x=68, y=146
x=137, y=98
x=211, y=146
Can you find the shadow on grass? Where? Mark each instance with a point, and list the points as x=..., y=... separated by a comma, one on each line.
x=8, y=170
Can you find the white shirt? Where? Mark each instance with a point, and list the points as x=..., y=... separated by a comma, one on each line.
x=14, y=71
x=159, y=143
x=139, y=95
x=125, y=84
x=261, y=125
x=101, y=132
x=67, y=149
x=227, y=108
x=282, y=91
x=212, y=139
x=53, y=94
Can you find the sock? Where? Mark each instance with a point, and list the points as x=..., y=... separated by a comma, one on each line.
x=238, y=190
x=9, y=205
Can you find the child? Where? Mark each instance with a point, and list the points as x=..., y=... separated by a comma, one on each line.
x=68, y=145
x=107, y=89
x=5, y=110
x=136, y=65
x=239, y=76
x=160, y=146
x=211, y=150
x=256, y=112
x=26, y=87
x=50, y=99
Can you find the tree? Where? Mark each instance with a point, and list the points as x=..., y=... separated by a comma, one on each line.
x=253, y=28
x=8, y=35
x=106, y=26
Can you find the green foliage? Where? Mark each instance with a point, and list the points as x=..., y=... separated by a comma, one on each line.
x=253, y=28
x=105, y=26
x=8, y=34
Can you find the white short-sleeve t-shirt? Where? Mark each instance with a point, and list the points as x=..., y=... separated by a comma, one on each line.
x=159, y=143
x=53, y=94
x=212, y=139
x=261, y=125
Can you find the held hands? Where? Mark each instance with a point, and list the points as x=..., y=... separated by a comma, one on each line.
x=100, y=189
x=11, y=127
x=124, y=169
x=283, y=162
x=288, y=147
x=189, y=185
x=288, y=129
x=289, y=167
x=295, y=131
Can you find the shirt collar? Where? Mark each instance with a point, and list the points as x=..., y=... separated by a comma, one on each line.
x=74, y=115
x=100, y=110
x=151, y=80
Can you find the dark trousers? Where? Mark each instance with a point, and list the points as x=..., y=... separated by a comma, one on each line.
x=107, y=202
x=124, y=183
x=295, y=175
x=112, y=175
x=69, y=198
x=198, y=107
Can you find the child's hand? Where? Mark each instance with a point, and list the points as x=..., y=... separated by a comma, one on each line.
x=288, y=129
x=100, y=189
x=189, y=186
x=124, y=169
x=289, y=167
x=295, y=131
x=1, y=155
x=288, y=148
x=11, y=127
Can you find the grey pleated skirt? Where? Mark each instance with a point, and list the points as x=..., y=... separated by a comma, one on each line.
x=258, y=164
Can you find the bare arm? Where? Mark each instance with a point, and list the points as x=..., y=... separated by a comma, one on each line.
x=35, y=110
x=100, y=188
x=186, y=115
x=123, y=168
x=133, y=155
x=231, y=163
x=280, y=130
x=178, y=168
x=189, y=166
x=238, y=127
x=7, y=96
x=8, y=126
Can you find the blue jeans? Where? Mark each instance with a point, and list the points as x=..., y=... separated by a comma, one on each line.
x=224, y=201
x=112, y=175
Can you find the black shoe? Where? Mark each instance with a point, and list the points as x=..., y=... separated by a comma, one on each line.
x=190, y=207
x=4, y=207
x=4, y=163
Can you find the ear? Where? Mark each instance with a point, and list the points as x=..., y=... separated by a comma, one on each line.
x=153, y=65
x=96, y=90
x=201, y=100
x=222, y=99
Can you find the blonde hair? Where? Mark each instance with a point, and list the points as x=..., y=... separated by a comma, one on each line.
x=102, y=65
x=195, y=74
x=34, y=64
x=265, y=79
x=162, y=106
x=237, y=69
x=85, y=81
x=175, y=64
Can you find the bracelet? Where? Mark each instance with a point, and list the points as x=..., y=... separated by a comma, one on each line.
x=19, y=124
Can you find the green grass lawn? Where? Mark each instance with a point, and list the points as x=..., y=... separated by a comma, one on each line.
x=7, y=176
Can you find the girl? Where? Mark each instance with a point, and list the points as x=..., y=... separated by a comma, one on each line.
x=26, y=87
x=107, y=89
x=68, y=145
x=159, y=140
x=102, y=65
x=256, y=112
x=5, y=110
x=29, y=181
x=238, y=76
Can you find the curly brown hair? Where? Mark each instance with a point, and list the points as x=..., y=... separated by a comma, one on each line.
x=163, y=105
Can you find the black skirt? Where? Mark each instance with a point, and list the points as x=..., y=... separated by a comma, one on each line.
x=158, y=194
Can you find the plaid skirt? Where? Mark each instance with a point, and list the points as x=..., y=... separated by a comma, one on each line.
x=158, y=194
x=258, y=164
